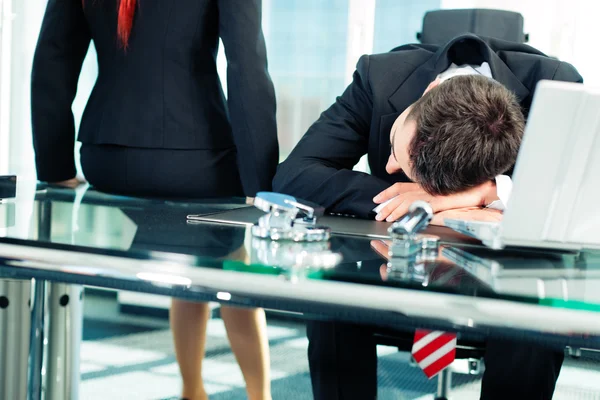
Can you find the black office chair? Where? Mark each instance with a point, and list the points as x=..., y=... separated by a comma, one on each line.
x=440, y=26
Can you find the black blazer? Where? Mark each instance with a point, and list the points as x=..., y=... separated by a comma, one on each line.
x=319, y=169
x=164, y=91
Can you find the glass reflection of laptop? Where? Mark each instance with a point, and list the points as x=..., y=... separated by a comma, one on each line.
x=555, y=202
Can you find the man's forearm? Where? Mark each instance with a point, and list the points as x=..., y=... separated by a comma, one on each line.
x=339, y=191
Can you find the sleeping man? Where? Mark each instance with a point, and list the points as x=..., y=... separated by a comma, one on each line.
x=440, y=124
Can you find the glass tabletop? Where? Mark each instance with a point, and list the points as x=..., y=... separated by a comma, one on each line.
x=103, y=237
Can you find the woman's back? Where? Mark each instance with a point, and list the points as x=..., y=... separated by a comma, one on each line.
x=161, y=90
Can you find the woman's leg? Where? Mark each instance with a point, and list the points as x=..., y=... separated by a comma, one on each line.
x=188, y=323
x=247, y=332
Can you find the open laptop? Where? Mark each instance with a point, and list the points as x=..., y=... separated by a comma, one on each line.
x=555, y=201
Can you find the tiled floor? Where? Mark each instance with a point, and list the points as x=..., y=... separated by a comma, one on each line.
x=141, y=365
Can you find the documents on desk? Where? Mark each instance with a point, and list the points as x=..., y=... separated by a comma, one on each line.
x=554, y=201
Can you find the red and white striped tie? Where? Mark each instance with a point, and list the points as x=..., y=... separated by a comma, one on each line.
x=433, y=350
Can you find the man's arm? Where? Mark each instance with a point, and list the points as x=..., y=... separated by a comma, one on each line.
x=251, y=96
x=62, y=45
x=567, y=73
x=319, y=169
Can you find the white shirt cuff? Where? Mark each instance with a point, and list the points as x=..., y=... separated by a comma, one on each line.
x=503, y=190
x=380, y=207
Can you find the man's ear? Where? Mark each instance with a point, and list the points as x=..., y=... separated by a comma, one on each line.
x=432, y=85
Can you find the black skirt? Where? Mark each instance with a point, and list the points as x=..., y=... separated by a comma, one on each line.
x=161, y=172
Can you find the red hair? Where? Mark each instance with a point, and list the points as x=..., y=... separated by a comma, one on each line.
x=125, y=20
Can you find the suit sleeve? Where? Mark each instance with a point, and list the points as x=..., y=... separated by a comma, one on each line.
x=319, y=169
x=250, y=93
x=61, y=48
x=567, y=73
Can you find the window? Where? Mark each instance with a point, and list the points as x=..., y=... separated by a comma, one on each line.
x=398, y=21
x=306, y=44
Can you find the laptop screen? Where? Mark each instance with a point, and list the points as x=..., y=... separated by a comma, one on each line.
x=556, y=193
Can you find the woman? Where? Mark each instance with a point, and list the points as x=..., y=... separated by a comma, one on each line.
x=157, y=124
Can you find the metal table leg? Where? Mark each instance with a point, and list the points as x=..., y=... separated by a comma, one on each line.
x=65, y=313
x=57, y=307
x=14, y=337
x=36, y=352
x=444, y=385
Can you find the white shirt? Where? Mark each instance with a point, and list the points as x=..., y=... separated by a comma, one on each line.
x=503, y=182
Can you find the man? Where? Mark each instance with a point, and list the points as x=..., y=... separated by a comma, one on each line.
x=449, y=175
x=454, y=140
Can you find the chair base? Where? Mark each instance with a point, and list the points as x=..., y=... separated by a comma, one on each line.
x=444, y=384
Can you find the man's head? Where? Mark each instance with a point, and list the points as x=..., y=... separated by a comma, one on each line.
x=461, y=133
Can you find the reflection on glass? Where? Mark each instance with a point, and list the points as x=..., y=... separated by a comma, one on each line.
x=91, y=226
x=70, y=223
x=225, y=296
x=289, y=254
x=7, y=217
x=164, y=279
x=554, y=278
x=429, y=268
x=482, y=268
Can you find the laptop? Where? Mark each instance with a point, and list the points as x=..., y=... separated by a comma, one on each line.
x=555, y=201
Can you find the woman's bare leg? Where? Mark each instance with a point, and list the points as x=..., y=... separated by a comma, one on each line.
x=188, y=323
x=247, y=332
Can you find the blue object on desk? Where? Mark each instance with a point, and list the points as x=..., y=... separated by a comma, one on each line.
x=268, y=200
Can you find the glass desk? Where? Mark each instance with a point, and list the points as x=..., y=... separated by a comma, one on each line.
x=63, y=239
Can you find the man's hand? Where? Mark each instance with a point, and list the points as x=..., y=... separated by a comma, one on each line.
x=404, y=194
x=381, y=247
x=468, y=214
x=69, y=183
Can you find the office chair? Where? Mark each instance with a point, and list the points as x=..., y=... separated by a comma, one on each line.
x=440, y=26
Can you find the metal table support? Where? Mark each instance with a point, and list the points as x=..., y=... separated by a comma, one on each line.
x=36, y=352
x=54, y=370
x=15, y=298
x=444, y=385
x=64, y=337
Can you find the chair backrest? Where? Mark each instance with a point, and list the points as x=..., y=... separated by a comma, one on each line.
x=440, y=26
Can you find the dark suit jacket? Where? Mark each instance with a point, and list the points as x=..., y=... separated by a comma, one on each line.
x=319, y=169
x=164, y=91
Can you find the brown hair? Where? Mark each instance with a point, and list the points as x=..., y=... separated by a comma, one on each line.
x=469, y=130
